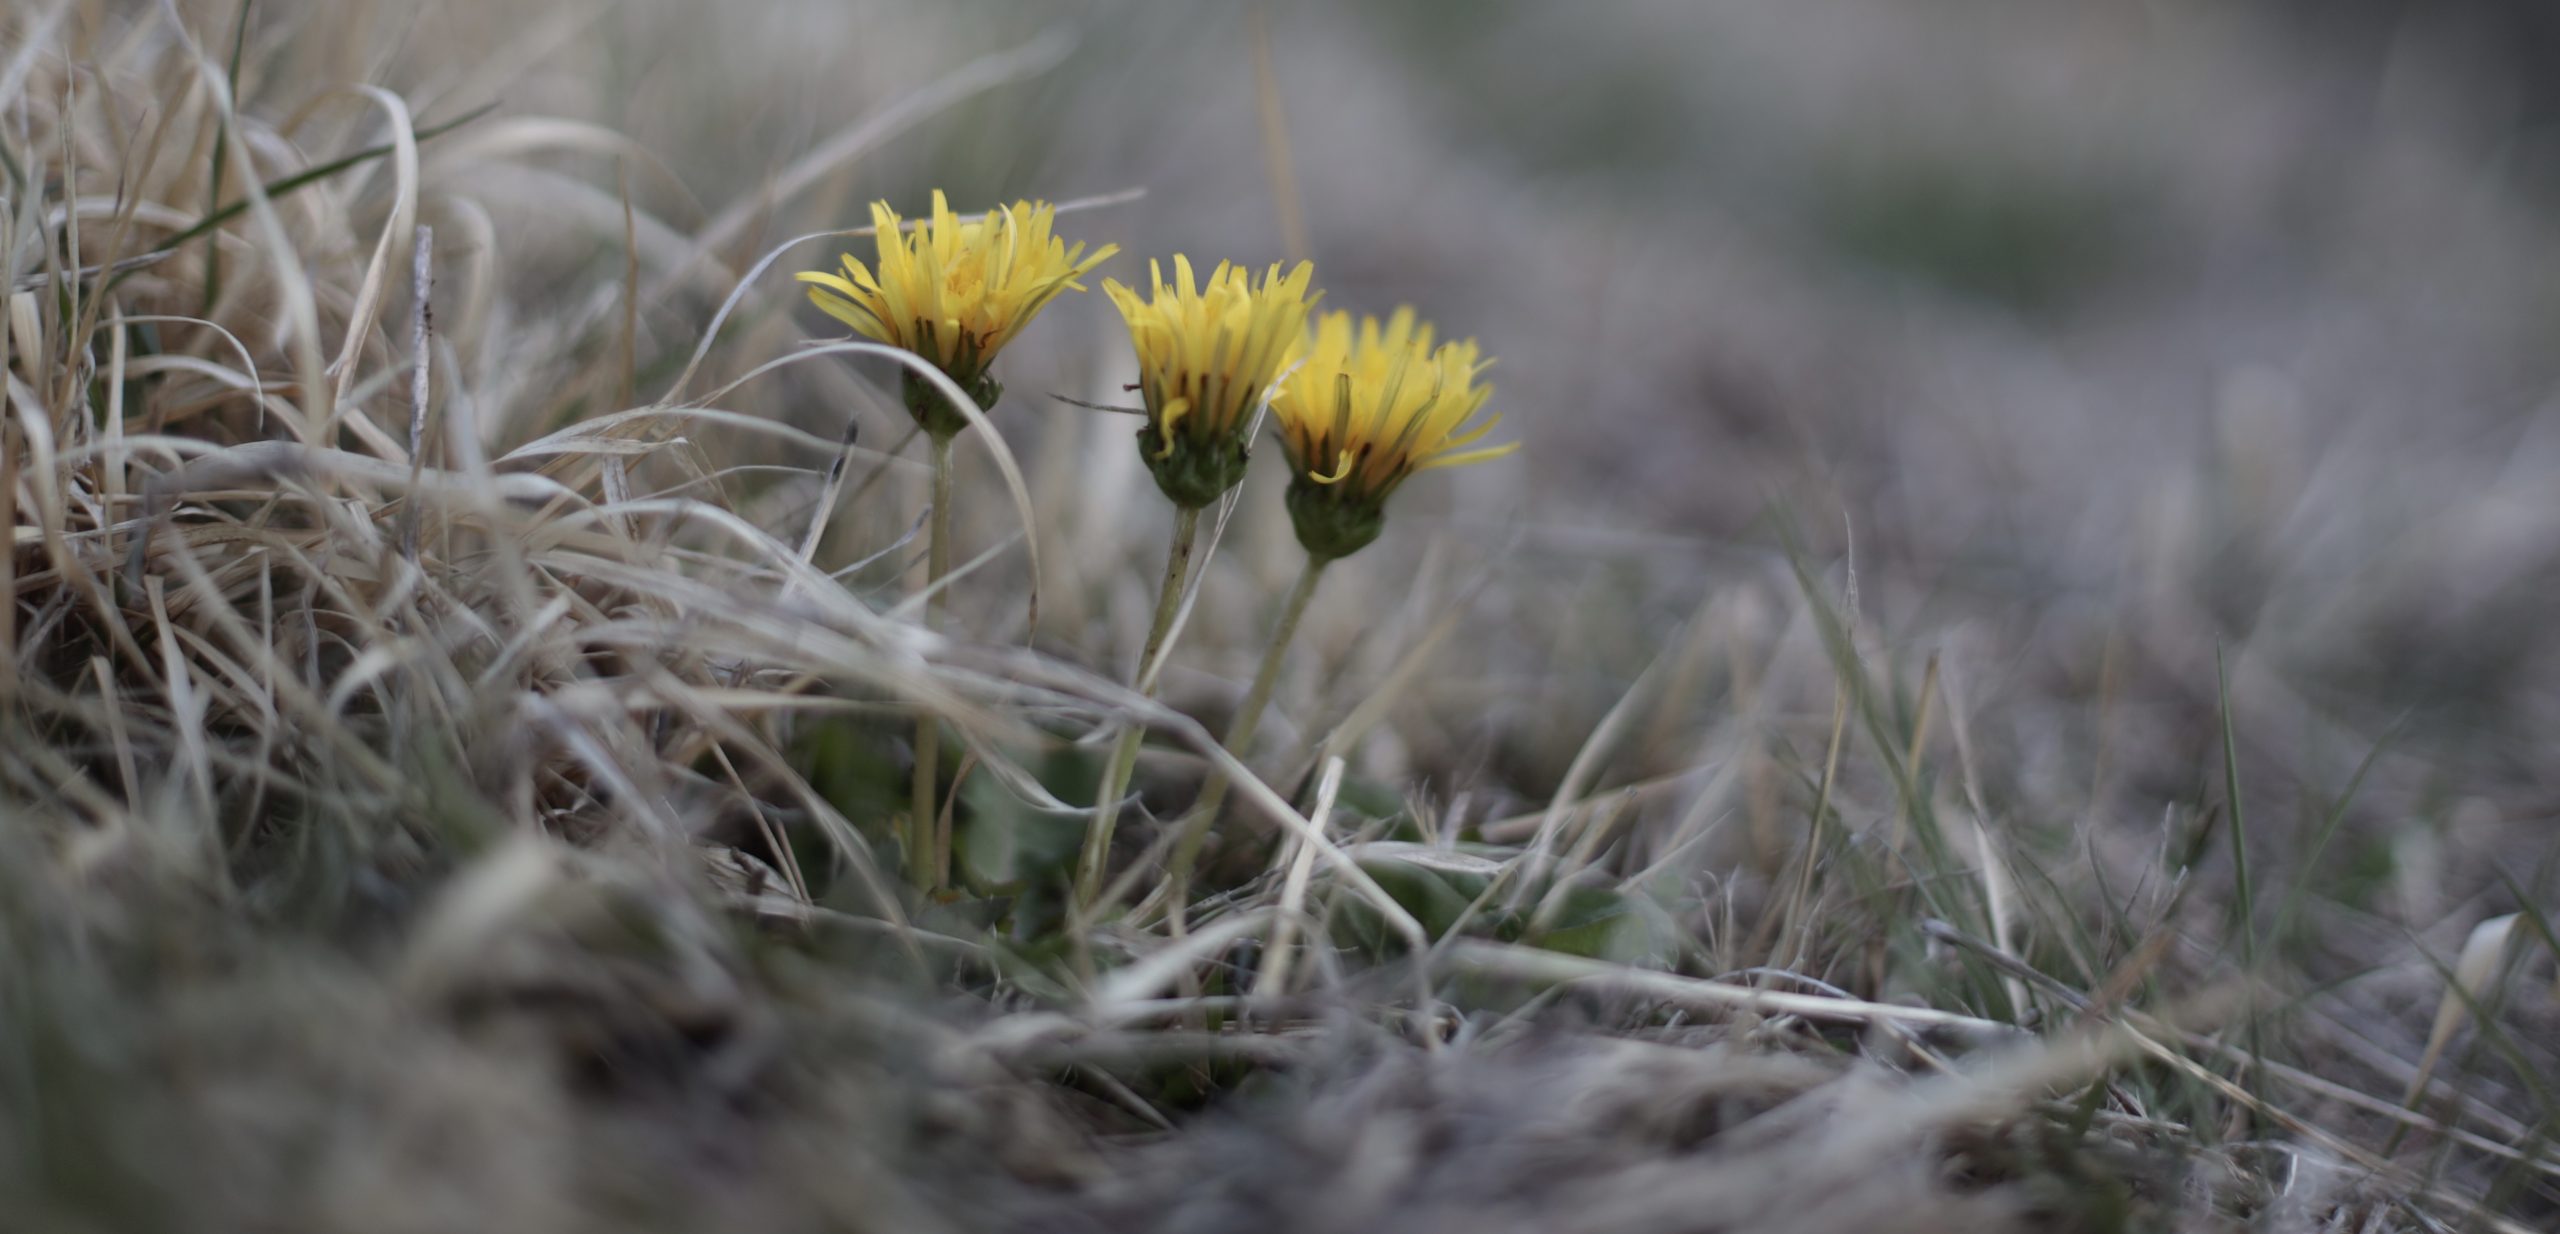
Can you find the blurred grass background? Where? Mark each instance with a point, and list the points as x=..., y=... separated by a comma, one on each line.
x=2128, y=422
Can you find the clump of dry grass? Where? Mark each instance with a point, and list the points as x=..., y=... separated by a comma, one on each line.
x=455, y=706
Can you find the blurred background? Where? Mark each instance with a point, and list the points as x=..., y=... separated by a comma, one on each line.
x=2091, y=337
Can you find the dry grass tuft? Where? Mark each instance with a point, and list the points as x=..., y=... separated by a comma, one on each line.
x=457, y=696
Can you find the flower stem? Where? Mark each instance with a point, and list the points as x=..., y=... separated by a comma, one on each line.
x=928, y=841
x=1240, y=731
x=1124, y=756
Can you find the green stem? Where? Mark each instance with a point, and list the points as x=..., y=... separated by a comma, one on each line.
x=1240, y=731
x=1124, y=756
x=928, y=841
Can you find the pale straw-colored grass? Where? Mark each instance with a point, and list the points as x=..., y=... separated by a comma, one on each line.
x=457, y=652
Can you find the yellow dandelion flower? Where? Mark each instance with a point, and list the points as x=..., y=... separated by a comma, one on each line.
x=954, y=291
x=1366, y=409
x=1205, y=356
